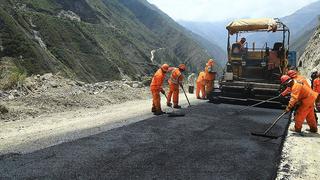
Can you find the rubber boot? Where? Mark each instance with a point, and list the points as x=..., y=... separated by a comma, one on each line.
x=293, y=129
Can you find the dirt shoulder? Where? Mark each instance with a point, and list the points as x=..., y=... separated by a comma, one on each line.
x=52, y=93
x=300, y=156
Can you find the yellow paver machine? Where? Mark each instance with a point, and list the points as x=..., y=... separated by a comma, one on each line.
x=254, y=67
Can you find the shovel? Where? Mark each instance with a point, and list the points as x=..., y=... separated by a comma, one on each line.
x=264, y=134
x=185, y=95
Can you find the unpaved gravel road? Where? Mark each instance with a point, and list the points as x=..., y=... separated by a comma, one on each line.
x=27, y=135
x=210, y=142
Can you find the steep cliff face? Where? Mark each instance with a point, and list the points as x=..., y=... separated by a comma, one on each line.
x=93, y=40
x=310, y=59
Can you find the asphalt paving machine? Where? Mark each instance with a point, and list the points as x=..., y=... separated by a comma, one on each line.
x=254, y=67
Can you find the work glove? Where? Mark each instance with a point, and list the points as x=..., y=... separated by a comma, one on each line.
x=162, y=91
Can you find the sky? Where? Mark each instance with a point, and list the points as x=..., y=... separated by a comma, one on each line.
x=219, y=10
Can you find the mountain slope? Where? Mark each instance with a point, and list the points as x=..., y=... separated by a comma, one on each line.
x=215, y=32
x=310, y=59
x=93, y=40
x=300, y=41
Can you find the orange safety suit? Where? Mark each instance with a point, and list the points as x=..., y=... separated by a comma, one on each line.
x=286, y=92
x=302, y=79
x=201, y=82
x=306, y=96
x=316, y=85
x=298, y=78
x=209, y=77
x=156, y=87
x=175, y=80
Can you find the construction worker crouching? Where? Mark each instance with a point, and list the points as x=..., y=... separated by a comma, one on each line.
x=209, y=76
x=201, y=83
x=304, y=95
x=156, y=88
x=175, y=81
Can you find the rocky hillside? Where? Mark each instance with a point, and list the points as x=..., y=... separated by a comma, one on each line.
x=93, y=40
x=310, y=59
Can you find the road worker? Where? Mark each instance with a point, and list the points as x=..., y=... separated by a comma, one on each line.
x=294, y=75
x=242, y=43
x=316, y=84
x=306, y=97
x=209, y=76
x=191, y=79
x=239, y=47
x=156, y=88
x=201, y=83
x=313, y=76
x=175, y=81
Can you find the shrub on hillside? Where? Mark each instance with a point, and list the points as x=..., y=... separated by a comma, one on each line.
x=11, y=77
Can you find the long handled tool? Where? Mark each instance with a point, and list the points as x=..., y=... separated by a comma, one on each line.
x=257, y=104
x=185, y=94
x=173, y=113
x=264, y=134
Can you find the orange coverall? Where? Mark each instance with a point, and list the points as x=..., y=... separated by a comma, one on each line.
x=307, y=97
x=175, y=79
x=302, y=79
x=316, y=85
x=209, y=77
x=201, y=82
x=156, y=87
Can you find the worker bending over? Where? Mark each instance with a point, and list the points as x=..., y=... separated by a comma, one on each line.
x=201, y=83
x=306, y=97
x=294, y=75
x=156, y=88
x=175, y=81
x=209, y=76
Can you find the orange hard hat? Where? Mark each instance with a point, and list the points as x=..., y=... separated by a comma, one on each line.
x=292, y=73
x=284, y=79
x=165, y=67
x=182, y=67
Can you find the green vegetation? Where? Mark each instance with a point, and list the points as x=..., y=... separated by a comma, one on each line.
x=114, y=37
x=10, y=75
